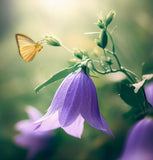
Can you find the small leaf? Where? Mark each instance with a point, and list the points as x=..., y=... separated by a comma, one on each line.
x=58, y=76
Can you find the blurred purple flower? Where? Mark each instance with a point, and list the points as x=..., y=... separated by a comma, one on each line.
x=75, y=101
x=149, y=93
x=34, y=141
x=139, y=145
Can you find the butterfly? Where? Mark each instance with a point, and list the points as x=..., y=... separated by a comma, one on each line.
x=27, y=47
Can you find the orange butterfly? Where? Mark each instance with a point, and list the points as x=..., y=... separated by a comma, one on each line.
x=27, y=47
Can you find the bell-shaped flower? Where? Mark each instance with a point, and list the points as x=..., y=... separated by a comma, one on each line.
x=139, y=145
x=35, y=142
x=149, y=92
x=74, y=101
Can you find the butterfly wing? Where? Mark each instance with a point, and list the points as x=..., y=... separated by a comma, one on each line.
x=26, y=47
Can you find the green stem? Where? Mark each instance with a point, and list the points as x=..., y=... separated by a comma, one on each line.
x=113, y=71
x=100, y=63
x=135, y=76
x=115, y=56
x=113, y=46
x=107, y=59
x=126, y=73
x=66, y=48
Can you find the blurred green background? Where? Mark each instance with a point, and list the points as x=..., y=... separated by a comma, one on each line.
x=68, y=20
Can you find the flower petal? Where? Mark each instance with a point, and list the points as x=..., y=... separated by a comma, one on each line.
x=50, y=123
x=76, y=128
x=25, y=126
x=59, y=97
x=22, y=140
x=71, y=106
x=139, y=144
x=90, y=110
x=149, y=93
x=60, y=94
x=33, y=113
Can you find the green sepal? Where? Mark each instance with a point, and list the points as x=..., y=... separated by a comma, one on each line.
x=58, y=76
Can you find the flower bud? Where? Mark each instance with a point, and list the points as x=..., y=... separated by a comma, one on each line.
x=100, y=24
x=78, y=53
x=50, y=40
x=110, y=17
x=103, y=39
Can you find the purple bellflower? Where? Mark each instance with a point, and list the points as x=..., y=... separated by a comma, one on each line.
x=149, y=93
x=74, y=101
x=139, y=145
x=35, y=142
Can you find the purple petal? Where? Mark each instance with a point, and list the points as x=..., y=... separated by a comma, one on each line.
x=60, y=94
x=108, y=130
x=139, y=144
x=25, y=126
x=149, y=93
x=22, y=140
x=71, y=106
x=33, y=113
x=90, y=109
x=34, y=143
x=50, y=123
x=76, y=128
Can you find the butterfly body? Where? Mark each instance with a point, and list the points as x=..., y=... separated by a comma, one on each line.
x=27, y=47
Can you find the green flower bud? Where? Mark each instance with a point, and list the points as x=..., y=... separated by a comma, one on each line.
x=110, y=17
x=100, y=24
x=103, y=39
x=78, y=53
x=50, y=40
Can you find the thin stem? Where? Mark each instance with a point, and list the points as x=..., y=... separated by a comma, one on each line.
x=125, y=70
x=41, y=41
x=105, y=54
x=111, y=38
x=114, y=71
x=113, y=49
x=66, y=48
x=115, y=56
x=105, y=72
x=135, y=76
x=126, y=73
x=110, y=67
x=88, y=33
x=100, y=63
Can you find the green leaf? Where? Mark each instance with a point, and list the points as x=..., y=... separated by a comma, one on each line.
x=133, y=99
x=58, y=76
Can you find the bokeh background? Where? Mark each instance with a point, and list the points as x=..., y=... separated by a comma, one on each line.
x=69, y=20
